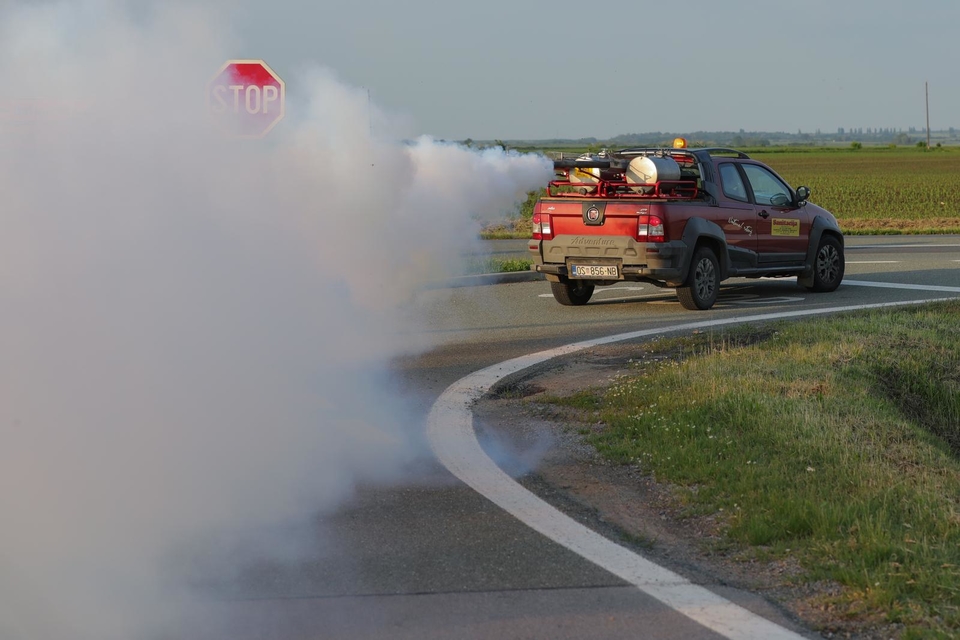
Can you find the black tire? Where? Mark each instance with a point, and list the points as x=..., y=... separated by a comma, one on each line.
x=828, y=265
x=572, y=293
x=700, y=290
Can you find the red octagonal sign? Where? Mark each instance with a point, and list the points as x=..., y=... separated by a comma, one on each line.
x=246, y=97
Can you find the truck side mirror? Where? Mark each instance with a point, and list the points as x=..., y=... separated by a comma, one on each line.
x=803, y=193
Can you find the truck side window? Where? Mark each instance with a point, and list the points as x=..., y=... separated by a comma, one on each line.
x=732, y=183
x=766, y=186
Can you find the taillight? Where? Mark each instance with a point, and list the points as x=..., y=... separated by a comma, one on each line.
x=542, y=229
x=655, y=232
x=650, y=229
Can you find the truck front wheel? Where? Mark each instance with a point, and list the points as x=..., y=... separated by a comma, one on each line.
x=700, y=290
x=827, y=265
x=572, y=293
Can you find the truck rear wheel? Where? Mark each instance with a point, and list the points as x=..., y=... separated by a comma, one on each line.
x=827, y=265
x=572, y=293
x=700, y=290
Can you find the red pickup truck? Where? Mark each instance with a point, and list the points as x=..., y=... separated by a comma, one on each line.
x=682, y=218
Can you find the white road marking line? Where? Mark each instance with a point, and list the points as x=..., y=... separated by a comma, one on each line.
x=629, y=298
x=759, y=300
x=898, y=246
x=454, y=442
x=605, y=289
x=895, y=285
x=873, y=262
x=887, y=285
x=656, y=292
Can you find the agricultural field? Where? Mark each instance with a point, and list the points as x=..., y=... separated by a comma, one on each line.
x=879, y=191
x=872, y=190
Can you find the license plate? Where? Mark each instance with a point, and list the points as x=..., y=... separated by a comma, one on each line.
x=593, y=271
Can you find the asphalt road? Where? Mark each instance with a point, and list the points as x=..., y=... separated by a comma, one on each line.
x=428, y=558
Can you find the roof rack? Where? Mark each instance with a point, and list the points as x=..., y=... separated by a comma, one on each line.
x=724, y=151
x=710, y=151
x=639, y=150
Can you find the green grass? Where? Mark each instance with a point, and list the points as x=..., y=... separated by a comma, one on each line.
x=508, y=265
x=496, y=265
x=501, y=233
x=834, y=441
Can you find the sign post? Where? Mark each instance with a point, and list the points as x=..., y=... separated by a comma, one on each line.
x=246, y=97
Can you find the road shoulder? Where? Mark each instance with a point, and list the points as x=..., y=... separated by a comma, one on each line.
x=543, y=445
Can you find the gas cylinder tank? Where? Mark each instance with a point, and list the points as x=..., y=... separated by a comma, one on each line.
x=648, y=170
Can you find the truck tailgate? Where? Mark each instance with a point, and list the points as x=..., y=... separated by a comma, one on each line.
x=597, y=218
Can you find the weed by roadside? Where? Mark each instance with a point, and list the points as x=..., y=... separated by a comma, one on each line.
x=497, y=265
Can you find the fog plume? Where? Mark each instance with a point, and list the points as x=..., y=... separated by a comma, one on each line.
x=192, y=327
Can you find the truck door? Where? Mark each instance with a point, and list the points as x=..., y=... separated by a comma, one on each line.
x=782, y=226
x=736, y=216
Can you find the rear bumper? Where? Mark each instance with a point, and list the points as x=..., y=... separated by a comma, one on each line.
x=660, y=262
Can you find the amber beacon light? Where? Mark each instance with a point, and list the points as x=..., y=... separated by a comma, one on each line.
x=679, y=143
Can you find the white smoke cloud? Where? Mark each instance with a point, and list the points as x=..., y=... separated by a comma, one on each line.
x=191, y=325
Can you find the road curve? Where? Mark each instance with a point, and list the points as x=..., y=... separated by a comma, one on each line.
x=454, y=441
x=429, y=557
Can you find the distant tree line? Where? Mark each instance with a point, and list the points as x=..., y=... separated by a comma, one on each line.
x=742, y=138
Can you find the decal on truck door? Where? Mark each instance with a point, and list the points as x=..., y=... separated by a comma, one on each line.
x=785, y=227
x=743, y=225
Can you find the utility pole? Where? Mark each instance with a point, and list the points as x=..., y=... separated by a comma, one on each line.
x=926, y=91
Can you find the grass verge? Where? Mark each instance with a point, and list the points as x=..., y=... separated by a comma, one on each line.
x=496, y=265
x=835, y=442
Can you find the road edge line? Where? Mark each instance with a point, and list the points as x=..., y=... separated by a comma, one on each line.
x=454, y=442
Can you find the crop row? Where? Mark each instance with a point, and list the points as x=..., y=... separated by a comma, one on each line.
x=903, y=190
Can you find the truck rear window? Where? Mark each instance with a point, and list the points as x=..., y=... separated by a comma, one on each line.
x=732, y=183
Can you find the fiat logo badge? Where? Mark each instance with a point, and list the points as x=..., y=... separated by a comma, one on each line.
x=593, y=214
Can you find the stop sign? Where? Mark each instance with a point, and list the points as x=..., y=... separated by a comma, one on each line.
x=246, y=97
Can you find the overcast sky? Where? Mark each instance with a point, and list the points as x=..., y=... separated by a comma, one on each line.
x=532, y=69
